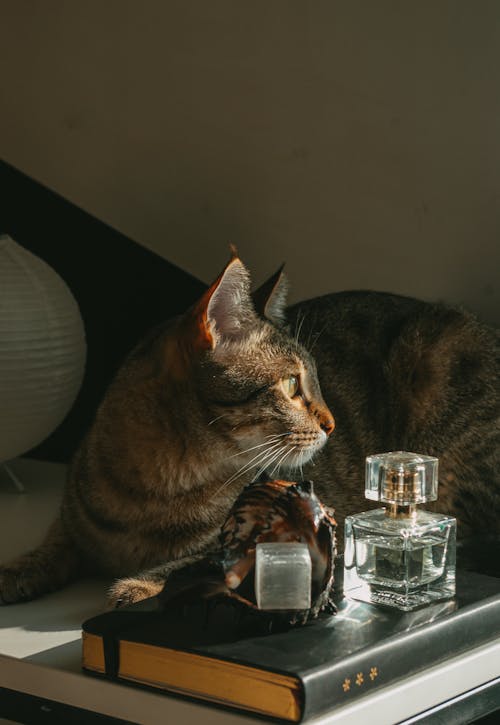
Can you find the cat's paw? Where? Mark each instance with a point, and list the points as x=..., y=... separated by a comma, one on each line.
x=14, y=585
x=127, y=591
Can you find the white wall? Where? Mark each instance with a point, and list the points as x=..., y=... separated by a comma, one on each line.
x=359, y=141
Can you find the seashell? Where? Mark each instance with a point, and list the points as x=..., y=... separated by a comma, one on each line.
x=280, y=511
x=267, y=511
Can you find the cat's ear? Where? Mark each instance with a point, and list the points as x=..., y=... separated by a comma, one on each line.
x=225, y=311
x=270, y=298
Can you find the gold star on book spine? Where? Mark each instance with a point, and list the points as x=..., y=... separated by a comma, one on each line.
x=359, y=678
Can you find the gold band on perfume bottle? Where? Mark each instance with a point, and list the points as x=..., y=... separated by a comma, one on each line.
x=402, y=489
x=395, y=511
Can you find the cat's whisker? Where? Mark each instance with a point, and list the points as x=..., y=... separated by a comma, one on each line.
x=234, y=455
x=300, y=318
x=255, y=460
x=287, y=454
x=296, y=325
x=266, y=458
x=282, y=460
x=301, y=462
x=282, y=457
x=279, y=435
x=268, y=462
x=300, y=328
x=218, y=418
x=311, y=330
x=318, y=336
x=250, y=464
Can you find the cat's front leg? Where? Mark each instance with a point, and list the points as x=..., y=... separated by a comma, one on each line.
x=146, y=584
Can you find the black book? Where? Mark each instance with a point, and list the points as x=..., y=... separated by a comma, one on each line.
x=219, y=652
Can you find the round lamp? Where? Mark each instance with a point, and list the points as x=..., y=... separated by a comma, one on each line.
x=42, y=349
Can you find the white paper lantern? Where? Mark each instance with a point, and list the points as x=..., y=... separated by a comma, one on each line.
x=42, y=349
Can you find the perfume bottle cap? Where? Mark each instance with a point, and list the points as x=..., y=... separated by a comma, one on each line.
x=401, y=478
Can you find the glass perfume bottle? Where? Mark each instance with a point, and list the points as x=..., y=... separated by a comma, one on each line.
x=399, y=555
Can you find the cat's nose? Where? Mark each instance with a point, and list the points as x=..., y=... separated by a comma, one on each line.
x=328, y=425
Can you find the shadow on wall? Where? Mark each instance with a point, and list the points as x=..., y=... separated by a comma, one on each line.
x=122, y=289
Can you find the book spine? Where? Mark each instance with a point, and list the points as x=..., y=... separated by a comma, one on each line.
x=399, y=656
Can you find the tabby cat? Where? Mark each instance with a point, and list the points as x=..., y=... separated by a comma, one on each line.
x=229, y=391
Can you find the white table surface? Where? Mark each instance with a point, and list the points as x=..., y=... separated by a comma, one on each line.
x=40, y=645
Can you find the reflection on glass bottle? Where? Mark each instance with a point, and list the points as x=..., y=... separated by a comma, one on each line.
x=399, y=555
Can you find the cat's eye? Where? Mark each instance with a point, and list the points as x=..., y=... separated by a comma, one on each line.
x=290, y=385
